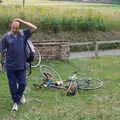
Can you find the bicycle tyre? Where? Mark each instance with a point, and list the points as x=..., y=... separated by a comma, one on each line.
x=52, y=71
x=89, y=83
x=27, y=69
x=37, y=59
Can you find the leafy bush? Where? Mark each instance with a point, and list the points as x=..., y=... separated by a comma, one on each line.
x=48, y=20
x=116, y=1
x=51, y=24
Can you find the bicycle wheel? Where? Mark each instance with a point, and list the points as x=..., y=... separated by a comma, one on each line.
x=37, y=59
x=89, y=83
x=3, y=61
x=27, y=69
x=48, y=69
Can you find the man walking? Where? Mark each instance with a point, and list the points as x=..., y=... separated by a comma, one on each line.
x=14, y=44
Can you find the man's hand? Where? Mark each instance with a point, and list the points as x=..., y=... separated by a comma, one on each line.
x=30, y=25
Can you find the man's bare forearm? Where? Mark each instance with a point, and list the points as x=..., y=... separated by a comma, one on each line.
x=30, y=25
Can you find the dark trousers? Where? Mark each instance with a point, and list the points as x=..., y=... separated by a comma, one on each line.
x=17, y=83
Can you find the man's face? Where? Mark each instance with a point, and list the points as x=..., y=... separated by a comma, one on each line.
x=15, y=26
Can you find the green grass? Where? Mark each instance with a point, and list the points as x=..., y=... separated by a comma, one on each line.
x=66, y=4
x=51, y=104
x=49, y=15
x=77, y=15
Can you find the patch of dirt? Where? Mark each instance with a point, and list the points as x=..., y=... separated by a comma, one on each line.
x=77, y=36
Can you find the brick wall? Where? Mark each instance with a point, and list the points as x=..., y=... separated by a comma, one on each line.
x=58, y=50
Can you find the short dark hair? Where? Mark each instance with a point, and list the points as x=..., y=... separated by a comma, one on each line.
x=10, y=23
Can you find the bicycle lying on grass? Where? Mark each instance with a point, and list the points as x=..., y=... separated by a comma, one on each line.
x=52, y=79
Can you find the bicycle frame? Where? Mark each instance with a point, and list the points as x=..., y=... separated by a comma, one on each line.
x=67, y=85
x=72, y=83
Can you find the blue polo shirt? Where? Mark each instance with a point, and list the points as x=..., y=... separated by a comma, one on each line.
x=15, y=49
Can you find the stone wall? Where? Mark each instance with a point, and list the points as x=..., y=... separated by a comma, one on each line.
x=57, y=50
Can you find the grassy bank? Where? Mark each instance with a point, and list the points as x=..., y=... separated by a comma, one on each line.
x=67, y=21
x=53, y=104
x=67, y=16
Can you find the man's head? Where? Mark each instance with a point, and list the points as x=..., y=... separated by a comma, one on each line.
x=15, y=26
